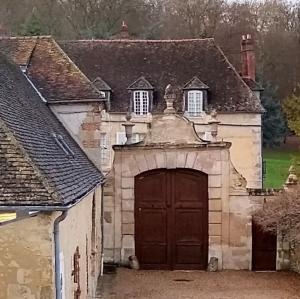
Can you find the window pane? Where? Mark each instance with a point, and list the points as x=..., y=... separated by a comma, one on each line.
x=145, y=102
x=104, y=149
x=121, y=138
x=141, y=102
x=195, y=102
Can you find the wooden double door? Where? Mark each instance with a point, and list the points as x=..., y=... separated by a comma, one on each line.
x=171, y=219
x=264, y=249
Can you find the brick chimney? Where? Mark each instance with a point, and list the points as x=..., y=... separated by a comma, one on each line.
x=248, y=57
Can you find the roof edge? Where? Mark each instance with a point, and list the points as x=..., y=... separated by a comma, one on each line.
x=140, y=40
x=66, y=56
x=238, y=75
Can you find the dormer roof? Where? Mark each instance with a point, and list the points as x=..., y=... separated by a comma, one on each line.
x=101, y=84
x=140, y=83
x=195, y=83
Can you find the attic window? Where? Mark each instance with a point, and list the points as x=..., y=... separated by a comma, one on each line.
x=63, y=145
x=195, y=97
x=195, y=102
x=141, y=96
x=141, y=102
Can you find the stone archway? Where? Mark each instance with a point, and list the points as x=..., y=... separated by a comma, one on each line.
x=131, y=161
x=173, y=144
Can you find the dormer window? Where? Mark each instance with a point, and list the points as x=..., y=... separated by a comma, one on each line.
x=102, y=86
x=141, y=102
x=141, y=97
x=195, y=102
x=195, y=97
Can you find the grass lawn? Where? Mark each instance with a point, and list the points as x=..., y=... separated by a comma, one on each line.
x=278, y=162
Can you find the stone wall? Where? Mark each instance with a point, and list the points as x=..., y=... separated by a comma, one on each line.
x=242, y=130
x=83, y=121
x=81, y=229
x=27, y=252
x=229, y=220
x=26, y=259
x=295, y=257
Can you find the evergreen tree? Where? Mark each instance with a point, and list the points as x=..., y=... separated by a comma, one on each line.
x=291, y=107
x=32, y=26
x=273, y=120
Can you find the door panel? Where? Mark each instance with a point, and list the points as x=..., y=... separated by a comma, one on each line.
x=263, y=249
x=191, y=219
x=151, y=218
x=171, y=219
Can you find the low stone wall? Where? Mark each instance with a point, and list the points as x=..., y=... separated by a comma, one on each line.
x=295, y=257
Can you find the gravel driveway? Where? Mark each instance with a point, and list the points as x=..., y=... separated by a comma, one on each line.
x=193, y=284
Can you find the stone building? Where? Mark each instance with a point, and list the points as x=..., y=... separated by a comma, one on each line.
x=92, y=85
x=50, y=194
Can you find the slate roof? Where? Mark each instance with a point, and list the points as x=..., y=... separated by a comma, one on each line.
x=34, y=168
x=176, y=62
x=50, y=69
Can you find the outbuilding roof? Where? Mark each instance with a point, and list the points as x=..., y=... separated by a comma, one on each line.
x=163, y=62
x=54, y=74
x=40, y=163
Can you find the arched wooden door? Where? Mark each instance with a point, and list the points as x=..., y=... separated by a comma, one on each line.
x=171, y=219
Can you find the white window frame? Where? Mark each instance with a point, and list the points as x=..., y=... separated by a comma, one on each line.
x=195, y=102
x=104, y=149
x=121, y=138
x=141, y=103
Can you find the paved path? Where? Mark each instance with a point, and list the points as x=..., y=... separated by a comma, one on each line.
x=127, y=284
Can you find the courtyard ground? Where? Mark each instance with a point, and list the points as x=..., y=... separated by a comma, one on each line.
x=196, y=284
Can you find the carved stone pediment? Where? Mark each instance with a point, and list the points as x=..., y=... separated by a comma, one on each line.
x=101, y=84
x=172, y=129
x=140, y=84
x=195, y=83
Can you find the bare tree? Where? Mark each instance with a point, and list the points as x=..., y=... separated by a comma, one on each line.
x=282, y=214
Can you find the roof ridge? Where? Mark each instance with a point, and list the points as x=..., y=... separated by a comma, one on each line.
x=31, y=53
x=142, y=40
x=65, y=55
x=26, y=37
x=43, y=179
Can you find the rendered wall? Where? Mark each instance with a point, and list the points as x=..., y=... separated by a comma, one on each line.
x=77, y=230
x=26, y=259
x=241, y=129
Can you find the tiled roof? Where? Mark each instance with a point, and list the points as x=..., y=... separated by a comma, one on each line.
x=34, y=168
x=253, y=84
x=176, y=62
x=50, y=69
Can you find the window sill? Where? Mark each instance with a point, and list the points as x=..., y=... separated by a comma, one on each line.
x=200, y=115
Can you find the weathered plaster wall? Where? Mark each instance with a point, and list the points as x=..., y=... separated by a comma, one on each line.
x=83, y=121
x=77, y=230
x=26, y=263
x=244, y=132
